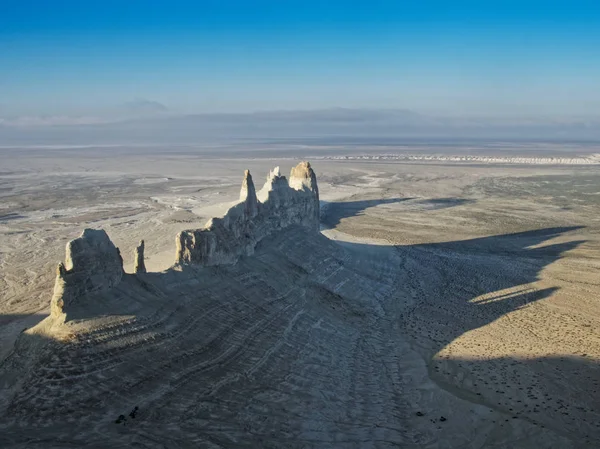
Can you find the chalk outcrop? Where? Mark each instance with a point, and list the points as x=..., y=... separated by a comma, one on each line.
x=92, y=264
x=276, y=206
x=302, y=177
x=138, y=257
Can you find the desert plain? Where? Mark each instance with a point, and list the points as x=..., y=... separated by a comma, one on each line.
x=450, y=300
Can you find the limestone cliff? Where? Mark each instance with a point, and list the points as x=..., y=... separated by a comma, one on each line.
x=92, y=264
x=277, y=205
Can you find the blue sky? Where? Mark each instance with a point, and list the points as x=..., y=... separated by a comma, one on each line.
x=502, y=58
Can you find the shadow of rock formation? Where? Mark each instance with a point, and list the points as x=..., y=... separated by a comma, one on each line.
x=452, y=288
x=333, y=212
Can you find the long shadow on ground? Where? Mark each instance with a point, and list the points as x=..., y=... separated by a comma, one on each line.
x=460, y=286
x=334, y=212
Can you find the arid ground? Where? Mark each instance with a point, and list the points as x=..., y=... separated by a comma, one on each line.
x=445, y=304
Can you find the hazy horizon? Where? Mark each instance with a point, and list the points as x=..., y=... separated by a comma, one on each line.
x=161, y=127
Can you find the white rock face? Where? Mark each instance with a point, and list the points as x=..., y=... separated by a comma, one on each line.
x=92, y=264
x=279, y=204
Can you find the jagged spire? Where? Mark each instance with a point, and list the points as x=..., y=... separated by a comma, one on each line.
x=275, y=173
x=138, y=254
x=276, y=187
x=276, y=206
x=248, y=195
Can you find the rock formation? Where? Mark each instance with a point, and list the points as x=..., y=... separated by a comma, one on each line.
x=302, y=177
x=92, y=264
x=248, y=195
x=279, y=204
x=138, y=257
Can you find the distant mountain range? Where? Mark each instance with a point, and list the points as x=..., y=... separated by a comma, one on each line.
x=144, y=121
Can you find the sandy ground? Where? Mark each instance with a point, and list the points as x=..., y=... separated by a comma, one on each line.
x=444, y=306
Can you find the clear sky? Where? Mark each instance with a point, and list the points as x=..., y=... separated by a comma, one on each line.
x=487, y=57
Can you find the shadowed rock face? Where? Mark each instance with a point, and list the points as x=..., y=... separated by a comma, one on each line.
x=279, y=204
x=92, y=264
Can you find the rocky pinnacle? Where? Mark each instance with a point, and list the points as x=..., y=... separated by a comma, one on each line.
x=138, y=255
